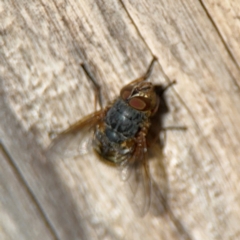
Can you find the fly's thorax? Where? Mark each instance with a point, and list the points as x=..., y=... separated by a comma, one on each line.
x=123, y=122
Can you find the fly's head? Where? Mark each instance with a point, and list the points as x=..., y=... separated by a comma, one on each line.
x=141, y=96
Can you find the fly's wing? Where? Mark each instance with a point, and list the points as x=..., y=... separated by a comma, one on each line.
x=135, y=171
x=77, y=139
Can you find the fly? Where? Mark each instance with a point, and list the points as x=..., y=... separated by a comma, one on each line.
x=122, y=132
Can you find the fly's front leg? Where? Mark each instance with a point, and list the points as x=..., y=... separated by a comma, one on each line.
x=146, y=75
x=97, y=88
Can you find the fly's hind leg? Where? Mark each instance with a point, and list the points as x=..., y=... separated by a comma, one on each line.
x=97, y=88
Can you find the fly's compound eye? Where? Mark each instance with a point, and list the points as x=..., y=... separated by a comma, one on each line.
x=138, y=103
x=141, y=103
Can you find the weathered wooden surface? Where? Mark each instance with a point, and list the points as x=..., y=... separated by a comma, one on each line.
x=43, y=89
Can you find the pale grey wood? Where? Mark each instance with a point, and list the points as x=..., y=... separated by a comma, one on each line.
x=45, y=89
x=225, y=15
x=20, y=217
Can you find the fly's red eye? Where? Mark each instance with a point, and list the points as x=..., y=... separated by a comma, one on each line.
x=137, y=103
x=140, y=103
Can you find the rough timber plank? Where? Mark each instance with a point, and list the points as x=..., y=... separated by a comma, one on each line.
x=43, y=89
x=20, y=218
x=225, y=16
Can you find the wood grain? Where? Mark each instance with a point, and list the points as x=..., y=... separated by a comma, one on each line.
x=44, y=89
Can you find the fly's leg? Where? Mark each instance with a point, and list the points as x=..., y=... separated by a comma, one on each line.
x=146, y=75
x=148, y=72
x=97, y=88
x=181, y=128
x=169, y=85
x=160, y=89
